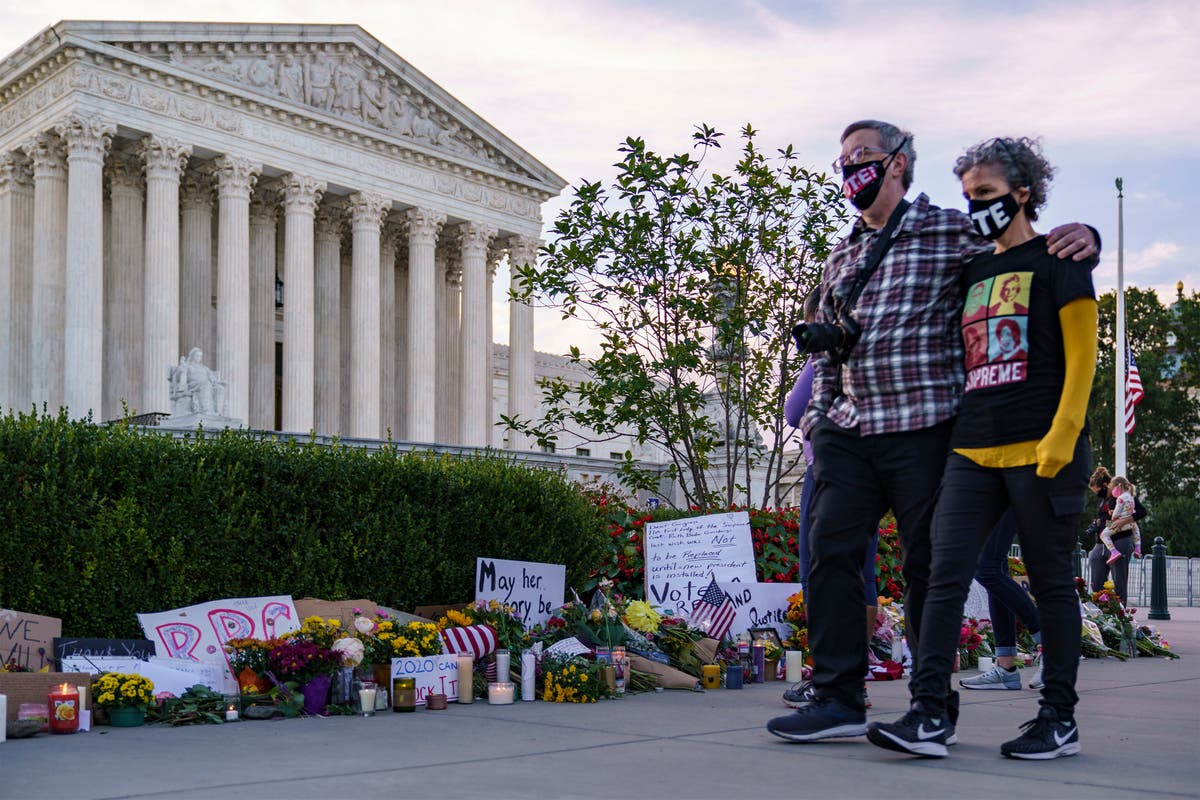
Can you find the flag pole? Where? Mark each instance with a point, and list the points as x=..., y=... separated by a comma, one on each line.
x=1121, y=344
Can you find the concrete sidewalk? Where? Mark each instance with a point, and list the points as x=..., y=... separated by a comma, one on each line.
x=1139, y=724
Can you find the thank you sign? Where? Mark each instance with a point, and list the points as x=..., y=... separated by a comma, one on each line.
x=683, y=555
x=535, y=590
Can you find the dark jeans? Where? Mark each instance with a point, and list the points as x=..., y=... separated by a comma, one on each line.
x=1100, y=570
x=971, y=502
x=803, y=540
x=1007, y=600
x=858, y=478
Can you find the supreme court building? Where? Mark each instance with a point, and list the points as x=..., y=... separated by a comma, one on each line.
x=299, y=202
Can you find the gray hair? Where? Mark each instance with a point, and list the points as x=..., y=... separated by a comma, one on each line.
x=1021, y=161
x=890, y=138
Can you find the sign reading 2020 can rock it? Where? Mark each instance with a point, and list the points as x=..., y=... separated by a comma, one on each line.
x=534, y=590
x=683, y=555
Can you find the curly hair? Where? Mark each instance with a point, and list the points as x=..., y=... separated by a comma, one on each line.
x=1022, y=162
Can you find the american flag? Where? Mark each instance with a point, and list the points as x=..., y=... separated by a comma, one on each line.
x=713, y=612
x=1133, y=391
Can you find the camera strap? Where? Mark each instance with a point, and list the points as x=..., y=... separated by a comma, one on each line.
x=878, y=250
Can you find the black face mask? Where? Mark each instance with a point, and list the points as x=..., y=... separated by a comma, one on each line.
x=861, y=182
x=991, y=218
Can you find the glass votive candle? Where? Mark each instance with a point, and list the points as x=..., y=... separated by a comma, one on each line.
x=404, y=694
x=501, y=693
x=710, y=676
x=503, y=666
x=366, y=699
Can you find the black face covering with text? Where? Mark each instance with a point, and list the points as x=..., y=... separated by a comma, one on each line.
x=861, y=182
x=991, y=218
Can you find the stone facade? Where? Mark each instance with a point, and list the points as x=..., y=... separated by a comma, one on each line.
x=159, y=182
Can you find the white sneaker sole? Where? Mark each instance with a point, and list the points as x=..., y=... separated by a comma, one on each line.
x=882, y=738
x=1069, y=749
x=989, y=686
x=839, y=732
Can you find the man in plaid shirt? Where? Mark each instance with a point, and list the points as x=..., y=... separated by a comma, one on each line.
x=880, y=424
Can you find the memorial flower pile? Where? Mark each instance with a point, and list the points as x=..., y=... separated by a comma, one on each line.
x=251, y=654
x=318, y=630
x=301, y=660
x=974, y=641
x=797, y=618
x=1119, y=634
x=417, y=639
x=571, y=680
x=377, y=634
x=502, y=618
x=122, y=690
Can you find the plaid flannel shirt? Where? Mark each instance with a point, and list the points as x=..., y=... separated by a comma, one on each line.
x=906, y=371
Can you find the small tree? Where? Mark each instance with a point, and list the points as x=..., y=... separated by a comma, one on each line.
x=694, y=281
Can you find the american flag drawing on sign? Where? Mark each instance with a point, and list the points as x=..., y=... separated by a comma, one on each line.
x=713, y=612
x=1133, y=391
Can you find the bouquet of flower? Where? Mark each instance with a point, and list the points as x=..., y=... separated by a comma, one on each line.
x=797, y=618
x=973, y=642
x=416, y=639
x=122, y=690
x=301, y=660
x=12, y=666
x=1151, y=643
x=251, y=654
x=678, y=640
x=552, y=630
x=376, y=634
x=318, y=630
x=349, y=650
x=571, y=679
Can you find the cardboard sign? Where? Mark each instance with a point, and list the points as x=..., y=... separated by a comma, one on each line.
x=174, y=675
x=535, y=590
x=28, y=638
x=333, y=609
x=434, y=675
x=199, y=632
x=760, y=605
x=140, y=649
x=683, y=555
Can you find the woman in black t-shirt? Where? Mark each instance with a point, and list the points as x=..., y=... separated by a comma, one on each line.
x=1017, y=443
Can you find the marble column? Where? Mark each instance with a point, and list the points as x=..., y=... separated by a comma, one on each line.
x=387, y=322
x=16, y=274
x=87, y=139
x=328, y=364
x=443, y=432
x=47, y=353
x=196, y=261
x=522, y=250
x=495, y=435
x=400, y=426
x=345, y=270
x=423, y=228
x=165, y=160
x=264, y=210
x=451, y=333
x=235, y=179
x=300, y=197
x=366, y=220
x=475, y=239
x=123, y=311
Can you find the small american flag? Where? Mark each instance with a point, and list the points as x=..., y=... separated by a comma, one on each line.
x=1133, y=391
x=713, y=612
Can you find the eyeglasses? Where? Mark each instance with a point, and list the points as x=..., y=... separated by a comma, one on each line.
x=855, y=156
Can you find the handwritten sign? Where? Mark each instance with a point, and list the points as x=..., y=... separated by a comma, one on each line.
x=683, y=555
x=534, y=589
x=199, y=632
x=434, y=675
x=760, y=605
x=28, y=638
x=103, y=648
x=174, y=675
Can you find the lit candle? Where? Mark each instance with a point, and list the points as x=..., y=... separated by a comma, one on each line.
x=760, y=662
x=711, y=676
x=231, y=713
x=466, y=678
x=404, y=694
x=795, y=666
x=503, y=666
x=501, y=694
x=63, y=707
x=366, y=701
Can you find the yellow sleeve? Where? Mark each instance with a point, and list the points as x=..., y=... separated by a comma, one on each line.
x=1056, y=449
x=1078, y=319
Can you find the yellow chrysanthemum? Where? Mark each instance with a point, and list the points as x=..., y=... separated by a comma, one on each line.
x=641, y=616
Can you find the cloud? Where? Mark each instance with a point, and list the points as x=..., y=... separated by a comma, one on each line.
x=1156, y=266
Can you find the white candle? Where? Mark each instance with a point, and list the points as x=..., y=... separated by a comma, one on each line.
x=3, y=717
x=82, y=696
x=528, y=675
x=795, y=666
x=503, y=666
x=986, y=664
x=501, y=694
x=466, y=680
x=366, y=700
x=231, y=715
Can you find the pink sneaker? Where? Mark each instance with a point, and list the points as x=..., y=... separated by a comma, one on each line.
x=1114, y=555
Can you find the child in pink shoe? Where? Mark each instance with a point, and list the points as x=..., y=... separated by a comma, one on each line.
x=1122, y=490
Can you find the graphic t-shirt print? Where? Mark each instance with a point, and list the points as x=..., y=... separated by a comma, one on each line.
x=995, y=325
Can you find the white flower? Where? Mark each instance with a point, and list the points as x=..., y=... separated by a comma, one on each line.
x=364, y=625
x=350, y=651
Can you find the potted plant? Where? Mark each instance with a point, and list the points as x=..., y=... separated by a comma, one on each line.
x=248, y=660
x=124, y=697
x=308, y=664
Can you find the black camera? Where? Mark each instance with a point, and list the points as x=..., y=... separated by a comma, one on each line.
x=836, y=338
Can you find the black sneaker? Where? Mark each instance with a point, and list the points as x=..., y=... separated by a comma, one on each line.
x=916, y=733
x=799, y=694
x=1044, y=738
x=822, y=718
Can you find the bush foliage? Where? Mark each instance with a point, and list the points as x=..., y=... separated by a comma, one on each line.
x=99, y=523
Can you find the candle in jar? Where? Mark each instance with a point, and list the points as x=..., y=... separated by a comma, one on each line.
x=466, y=678
x=528, y=675
x=711, y=676
x=501, y=693
x=366, y=701
x=404, y=694
x=795, y=666
x=503, y=666
x=760, y=661
x=63, y=707
x=231, y=713
x=3, y=717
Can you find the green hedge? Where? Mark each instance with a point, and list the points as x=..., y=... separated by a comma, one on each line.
x=99, y=523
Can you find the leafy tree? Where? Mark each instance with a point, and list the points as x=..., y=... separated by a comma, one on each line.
x=693, y=280
x=1163, y=451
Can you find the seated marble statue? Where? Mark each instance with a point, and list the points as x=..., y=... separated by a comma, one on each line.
x=195, y=389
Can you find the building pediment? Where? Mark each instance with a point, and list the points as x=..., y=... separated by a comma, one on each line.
x=337, y=74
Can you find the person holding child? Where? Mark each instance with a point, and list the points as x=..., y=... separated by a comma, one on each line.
x=1122, y=520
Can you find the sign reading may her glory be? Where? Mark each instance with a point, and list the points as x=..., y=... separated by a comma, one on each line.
x=683, y=555
x=534, y=590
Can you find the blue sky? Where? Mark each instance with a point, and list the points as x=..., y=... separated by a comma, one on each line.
x=1109, y=86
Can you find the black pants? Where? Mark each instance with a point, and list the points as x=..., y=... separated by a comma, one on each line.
x=858, y=478
x=971, y=500
x=1099, y=569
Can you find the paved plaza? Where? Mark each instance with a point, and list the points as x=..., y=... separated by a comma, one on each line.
x=1139, y=721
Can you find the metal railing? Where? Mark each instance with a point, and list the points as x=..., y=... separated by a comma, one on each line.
x=1183, y=581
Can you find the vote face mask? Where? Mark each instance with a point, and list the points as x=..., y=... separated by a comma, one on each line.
x=861, y=183
x=991, y=218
